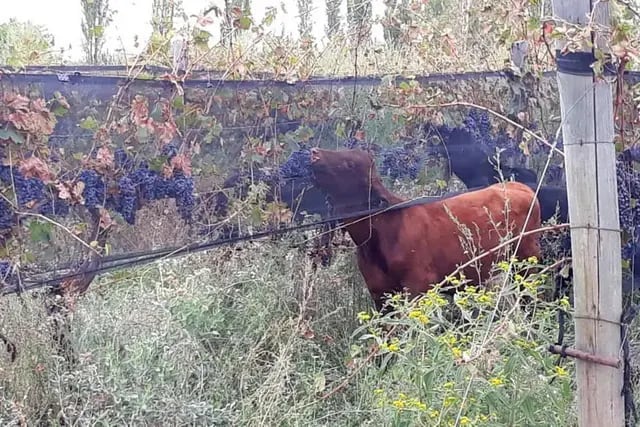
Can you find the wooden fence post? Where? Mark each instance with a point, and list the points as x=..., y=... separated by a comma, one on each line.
x=179, y=54
x=587, y=114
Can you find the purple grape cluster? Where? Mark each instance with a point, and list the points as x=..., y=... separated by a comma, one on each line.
x=297, y=166
x=29, y=191
x=628, y=182
x=146, y=184
x=401, y=162
x=128, y=199
x=181, y=189
x=352, y=143
x=94, y=191
x=6, y=271
x=122, y=159
x=170, y=150
x=7, y=217
x=477, y=122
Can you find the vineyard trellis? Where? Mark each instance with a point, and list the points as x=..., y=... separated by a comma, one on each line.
x=223, y=150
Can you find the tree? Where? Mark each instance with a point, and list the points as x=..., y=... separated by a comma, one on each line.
x=24, y=43
x=304, y=12
x=333, y=17
x=359, y=15
x=163, y=13
x=96, y=17
x=236, y=15
x=395, y=15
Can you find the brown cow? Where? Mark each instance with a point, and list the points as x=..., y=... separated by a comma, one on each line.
x=413, y=248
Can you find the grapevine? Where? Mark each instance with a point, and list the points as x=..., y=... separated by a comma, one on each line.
x=401, y=162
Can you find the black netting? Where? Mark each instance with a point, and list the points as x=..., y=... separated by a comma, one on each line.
x=208, y=160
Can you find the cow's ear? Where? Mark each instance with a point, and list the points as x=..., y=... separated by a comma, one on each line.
x=371, y=156
x=315, y=154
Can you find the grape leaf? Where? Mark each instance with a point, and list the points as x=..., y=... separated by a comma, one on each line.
x=178, y=102
x=89, y=123
x=12, y=135
x=156, y=113
x=40, y=231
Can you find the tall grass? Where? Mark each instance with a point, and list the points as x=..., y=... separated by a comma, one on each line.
x=251, y=335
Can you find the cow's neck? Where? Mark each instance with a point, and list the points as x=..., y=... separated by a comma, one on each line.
x=360, y=228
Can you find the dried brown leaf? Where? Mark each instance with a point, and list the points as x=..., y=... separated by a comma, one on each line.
x=105, y=219
x=105, y=157
x=182, y=162
x=34, y=167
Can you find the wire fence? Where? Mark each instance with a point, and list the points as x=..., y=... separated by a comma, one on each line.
x=239, y=134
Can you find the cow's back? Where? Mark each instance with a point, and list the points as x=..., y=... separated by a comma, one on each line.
x=423, y=244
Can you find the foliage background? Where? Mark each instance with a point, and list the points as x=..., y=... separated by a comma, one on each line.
x=253, y=334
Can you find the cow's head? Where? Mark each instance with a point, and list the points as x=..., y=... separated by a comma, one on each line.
x=348, y=177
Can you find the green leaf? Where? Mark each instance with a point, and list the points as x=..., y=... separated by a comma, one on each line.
x=178, y=102
x=98, y=31
x=304, y=133
x=244, y=23
x=157, y=163
x=201, y=38
x=142, y=134
x=89, y=123
x=216, y=129
x=156, y=113
x=40, y=231
x=60, y=111
x=269, y=16
x=404, y=86
x=12, y=135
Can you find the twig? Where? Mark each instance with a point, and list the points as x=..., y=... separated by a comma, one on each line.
x=57, y=224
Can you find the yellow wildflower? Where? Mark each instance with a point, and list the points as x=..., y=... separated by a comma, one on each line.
x=377, y=391
x=393, y=346
x=433, y=413
x=496, y=381
x=483, y=417
x=414, y=314
x=465, y=421
x=450, y=400
x=398, y=404
x=363, y=316
x=449, y=338
x=417, y=404
x=503, y=265
x=448, y=384
x=457, y=353
x=462, y=301
x=484, y=298
x=524, y=343
x=531, y=286
x=452, y=279
x=560, y=371
x=532, y=259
